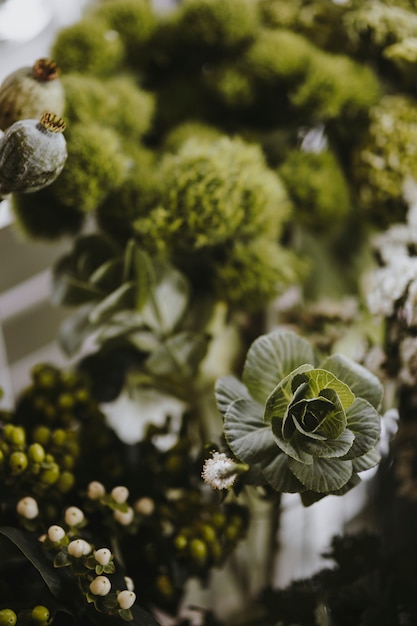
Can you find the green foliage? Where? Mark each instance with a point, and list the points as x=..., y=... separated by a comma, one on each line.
x=190, y=130
x=133, y=20
x=96, y=165
x=322, y=201
x=116, y=102
x=88, y=47
x=385, y=157
x=303, y=428
x=218, y=24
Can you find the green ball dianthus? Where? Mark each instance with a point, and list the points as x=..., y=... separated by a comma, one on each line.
x=89, y=47
x=386, y=156
x=189, y=130
x=96, y=166
x=318, y=190
x=220, y=24
x=115, y=102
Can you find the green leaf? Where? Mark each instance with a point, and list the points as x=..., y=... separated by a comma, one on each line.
x=68, y=290
x=330, y=448
x=294, y=447
x=246, y=432
x=281, y=396
x=179, y=355
x=277, y=473
x=324, y=475
x=334, y=424
x=360, y=380
x=367, y=461
x=75, y=329
x=120, y=299
x=365, y=423
x=138, y=267
x=28, y=544
x=320, y=379
x=108, y=276
x=271, y=358
x=168, y=299
x=227, y=390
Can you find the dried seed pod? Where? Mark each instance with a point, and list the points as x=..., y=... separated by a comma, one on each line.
x=29, y=91
x=32, y=154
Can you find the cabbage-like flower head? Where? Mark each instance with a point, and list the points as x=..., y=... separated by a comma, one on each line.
x=302, y=427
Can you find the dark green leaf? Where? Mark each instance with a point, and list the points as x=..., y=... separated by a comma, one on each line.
x=246, y=432
x=282, y=395
x=108, y=276
x=365, y=423
x=178, y=355
x=277, y=473
x=75, y=329
x=227, y=390
x=331, y=448
x=366, y=461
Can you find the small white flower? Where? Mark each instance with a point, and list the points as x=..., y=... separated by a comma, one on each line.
x=219, y=472
x=124, y=518
x=100, y=586
x=120, y=494
x=56, y=533
x=145, y=506
x=102, y=556
x=129, y=583
x=78, y=548
x=28, y=507
x=126, y=599
x=73, y=516
x=95, y=490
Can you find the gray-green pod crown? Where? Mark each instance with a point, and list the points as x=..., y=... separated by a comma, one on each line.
x=29, y=91
x=32, y=154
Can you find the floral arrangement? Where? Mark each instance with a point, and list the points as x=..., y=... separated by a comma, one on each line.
x=236, y=180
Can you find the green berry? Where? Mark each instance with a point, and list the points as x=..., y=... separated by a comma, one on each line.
x=198, y=551
x=41, y=435
x=65, y=482
x=18, y=462
x=15, y=435
x=7, y=617
x=59, y=437
x=40, y=614
x=65, y=401
x=36, y=453
x=50, y=475
x=180, y=542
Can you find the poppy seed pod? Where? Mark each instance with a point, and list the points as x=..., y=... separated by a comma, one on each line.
x=28, y=91
x=32, y=154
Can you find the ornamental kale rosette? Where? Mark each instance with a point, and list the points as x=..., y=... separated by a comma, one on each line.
x=302, y=427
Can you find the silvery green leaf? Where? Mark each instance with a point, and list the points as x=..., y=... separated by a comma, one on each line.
x=282, y=394
x=271, y=358
x=75, y=329
x=294, y=447
x=179, y=354
x=324, y=475
x=167, y=301
x=365, y=423
x=367, y=461
x=246, y=432
x=121, y=298
x=227, y=390
x=276, y=472
x=330, y=448
x=360, y=380
x=138, y=268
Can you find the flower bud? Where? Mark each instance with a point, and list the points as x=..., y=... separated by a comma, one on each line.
x=129, y=583
x=100, y=586
x=73, y=516
x=145, y=506
x=78, y=548
x=120, y=494
x=28, y=508
x=124, y=518
x=95, y=490
x=28, y=91
x=32, y=154
x=102, y=556
x=126, y=599
x=56, y=533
